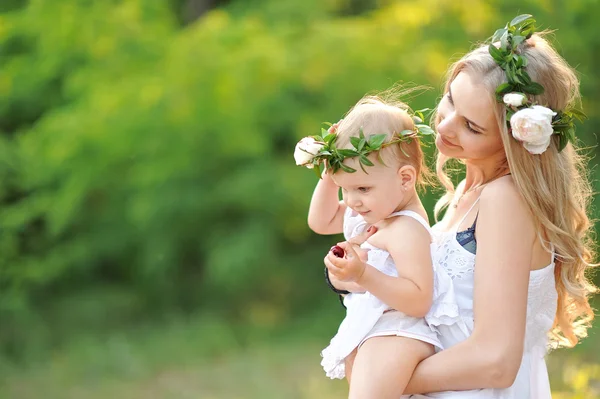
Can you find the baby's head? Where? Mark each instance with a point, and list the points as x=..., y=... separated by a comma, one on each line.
x=389, y=184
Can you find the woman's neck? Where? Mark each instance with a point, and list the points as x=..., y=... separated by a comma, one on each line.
x=479, y=173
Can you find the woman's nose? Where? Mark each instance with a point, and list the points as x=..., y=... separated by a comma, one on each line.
x=447, y=125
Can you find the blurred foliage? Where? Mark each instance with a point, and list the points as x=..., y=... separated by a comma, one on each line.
x=146, y=160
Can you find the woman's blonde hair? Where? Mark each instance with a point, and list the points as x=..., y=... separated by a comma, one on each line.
x=554, y=185
x=378, y=114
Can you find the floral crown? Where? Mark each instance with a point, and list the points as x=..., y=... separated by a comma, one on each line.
x=314, y=151
x=530, y=123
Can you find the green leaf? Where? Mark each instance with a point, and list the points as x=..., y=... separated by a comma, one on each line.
x=361, y=144
x=363, y=168
x=366, y=161
x=504, y=42
x=519, y=60
x=534, y=88
x=329, y=138
x=355, y=142
x=376, y=140
x=524, y=75
x=578, y=114
x=404, y=152
x=347, y=168
x=496, y=53
x=317, y=170
x=504, y=88
x=521, y=18
x=518, y=40
x=518, y=78
x=498, y=34
x=425, y=130
x=360, y=133
x=348, y=153
x=318, y=138
x=406, y=132
x=528, y=31
x=562, y=143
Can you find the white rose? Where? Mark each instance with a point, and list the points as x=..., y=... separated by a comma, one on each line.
x=514, y=99
x=305, y=151
x=533, y=126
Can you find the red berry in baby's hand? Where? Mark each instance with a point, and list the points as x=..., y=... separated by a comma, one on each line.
x=337, y=251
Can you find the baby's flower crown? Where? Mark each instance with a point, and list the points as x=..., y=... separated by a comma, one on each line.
x=529, y=123
x=314, y=151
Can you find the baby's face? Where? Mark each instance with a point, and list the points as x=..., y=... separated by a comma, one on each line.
x=374, y=195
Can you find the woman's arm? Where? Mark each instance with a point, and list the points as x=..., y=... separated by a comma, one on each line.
x=326, y=211
x=491, y=356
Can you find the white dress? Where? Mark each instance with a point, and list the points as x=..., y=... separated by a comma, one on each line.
x=367, y=316
x=532, y=379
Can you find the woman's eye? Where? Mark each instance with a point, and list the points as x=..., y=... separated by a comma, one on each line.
x=468, y=125
x=363, y=189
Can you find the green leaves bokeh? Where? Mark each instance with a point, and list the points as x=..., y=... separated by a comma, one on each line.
x=146, y=166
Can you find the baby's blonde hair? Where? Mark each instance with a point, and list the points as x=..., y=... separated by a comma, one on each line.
x=554, y=185
x=376, y=115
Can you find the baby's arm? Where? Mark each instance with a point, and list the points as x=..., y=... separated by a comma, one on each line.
x=409, y=246
x=326, y=212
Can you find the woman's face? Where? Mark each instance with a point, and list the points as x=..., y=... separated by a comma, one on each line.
x=468, y=128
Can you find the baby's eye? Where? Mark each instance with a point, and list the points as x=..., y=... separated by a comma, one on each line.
x=364, y=189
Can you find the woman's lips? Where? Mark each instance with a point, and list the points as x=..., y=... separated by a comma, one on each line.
x=446, y=142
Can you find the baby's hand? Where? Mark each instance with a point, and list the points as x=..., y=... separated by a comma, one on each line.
x=349, y=268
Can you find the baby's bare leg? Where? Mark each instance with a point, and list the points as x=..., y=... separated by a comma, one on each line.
x=349, y=362
x=383, y=366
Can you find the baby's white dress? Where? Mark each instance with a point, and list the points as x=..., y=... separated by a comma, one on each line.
x=366, y=315
x=532, y=380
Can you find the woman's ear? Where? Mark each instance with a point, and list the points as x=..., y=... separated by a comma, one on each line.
x=408, y=176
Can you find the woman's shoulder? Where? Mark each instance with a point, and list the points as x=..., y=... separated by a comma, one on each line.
x=501, y=192
x=502, y=199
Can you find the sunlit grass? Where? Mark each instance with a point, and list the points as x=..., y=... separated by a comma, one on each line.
x=206, y=359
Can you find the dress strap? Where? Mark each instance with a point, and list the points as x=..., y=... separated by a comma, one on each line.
x=467, y=213
x=415, y=216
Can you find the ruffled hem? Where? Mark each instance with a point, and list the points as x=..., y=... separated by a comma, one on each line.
x=335, y=368
x=443, y=314
x=444, y=310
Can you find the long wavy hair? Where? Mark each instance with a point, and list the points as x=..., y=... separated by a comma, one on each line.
x=554, y=185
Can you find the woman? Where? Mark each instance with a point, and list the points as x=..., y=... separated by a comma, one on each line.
x=515, y=234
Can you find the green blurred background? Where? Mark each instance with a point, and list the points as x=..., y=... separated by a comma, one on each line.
x=153, y=237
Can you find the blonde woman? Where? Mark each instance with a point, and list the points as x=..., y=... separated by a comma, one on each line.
x=515, y=234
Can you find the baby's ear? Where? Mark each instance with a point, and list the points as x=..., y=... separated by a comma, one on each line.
x=408, y=176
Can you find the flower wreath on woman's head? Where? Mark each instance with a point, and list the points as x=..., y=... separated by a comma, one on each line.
x=314, y=151
x=530, y=123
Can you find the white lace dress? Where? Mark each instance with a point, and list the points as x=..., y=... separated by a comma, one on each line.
x=532, y=379
x=367, y=316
